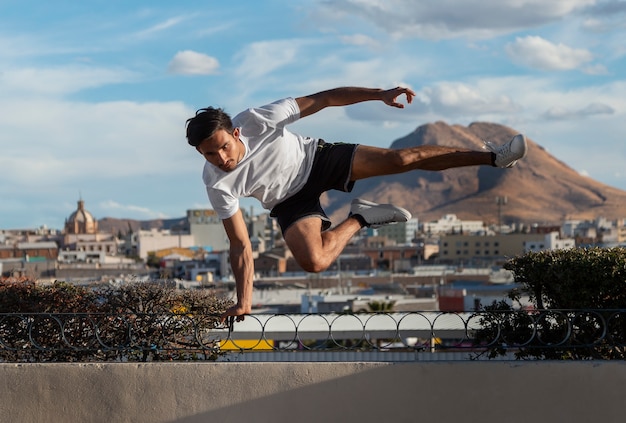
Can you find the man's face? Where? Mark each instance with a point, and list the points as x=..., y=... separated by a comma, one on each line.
x=223, y=149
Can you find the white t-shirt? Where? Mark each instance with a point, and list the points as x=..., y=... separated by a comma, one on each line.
x=276, y=163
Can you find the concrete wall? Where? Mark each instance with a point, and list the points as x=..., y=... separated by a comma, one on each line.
x=314, y=392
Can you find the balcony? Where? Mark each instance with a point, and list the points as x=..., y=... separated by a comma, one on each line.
x=427, y=374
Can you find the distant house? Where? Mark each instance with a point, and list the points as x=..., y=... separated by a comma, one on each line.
x=551, y=241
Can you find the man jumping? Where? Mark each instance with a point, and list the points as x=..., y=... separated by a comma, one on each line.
x=255, y=155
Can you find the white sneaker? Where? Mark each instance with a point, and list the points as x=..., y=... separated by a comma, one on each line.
x=508, y=154
x=376, y=215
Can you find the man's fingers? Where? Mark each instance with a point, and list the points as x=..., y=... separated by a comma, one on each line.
x=395, y=93
x=409, y=95
x=231, y=315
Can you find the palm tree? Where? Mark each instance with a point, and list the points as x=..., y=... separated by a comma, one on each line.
x=381, y=306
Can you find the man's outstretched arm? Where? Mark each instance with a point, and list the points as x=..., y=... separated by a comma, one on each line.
x=345, y=96
x=242, y=263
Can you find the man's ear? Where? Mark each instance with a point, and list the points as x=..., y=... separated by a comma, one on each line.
x=236, y=133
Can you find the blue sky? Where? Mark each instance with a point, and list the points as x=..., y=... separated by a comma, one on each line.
x=95, y=94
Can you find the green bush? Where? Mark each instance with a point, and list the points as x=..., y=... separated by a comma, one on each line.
x=579, y=278
x=134, y=322
x=579, y=302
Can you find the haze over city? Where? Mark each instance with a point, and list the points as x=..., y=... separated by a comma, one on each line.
x=95, y=95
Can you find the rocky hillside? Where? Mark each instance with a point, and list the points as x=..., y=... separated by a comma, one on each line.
x=540, y=189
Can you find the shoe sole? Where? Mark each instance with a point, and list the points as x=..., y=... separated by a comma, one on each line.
x=398, y=210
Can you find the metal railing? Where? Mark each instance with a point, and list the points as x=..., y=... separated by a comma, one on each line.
x=147, y=337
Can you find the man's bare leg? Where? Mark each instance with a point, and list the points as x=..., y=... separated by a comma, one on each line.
x=373, y=161
x=315, y=250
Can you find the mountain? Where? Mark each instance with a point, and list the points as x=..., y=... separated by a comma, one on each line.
x=539, y=189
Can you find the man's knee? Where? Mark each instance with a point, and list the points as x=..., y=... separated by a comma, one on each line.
x=304, y=240
x=312, y=263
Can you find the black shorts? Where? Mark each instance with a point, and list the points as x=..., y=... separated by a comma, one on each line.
x=332, y=167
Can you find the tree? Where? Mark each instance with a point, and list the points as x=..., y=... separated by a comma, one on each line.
x=381, y=306
x=578, y=296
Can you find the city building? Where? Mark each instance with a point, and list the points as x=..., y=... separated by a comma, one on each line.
x=456, y=247
x=87, y=253
x=401, y=233
x=498, y=246
x=207, y=230
x=155, y=240
x=449, y=223
x=209, y=233
x=81, y=234
x=551, y=241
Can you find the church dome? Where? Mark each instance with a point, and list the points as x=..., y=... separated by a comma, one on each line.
x=81, y=221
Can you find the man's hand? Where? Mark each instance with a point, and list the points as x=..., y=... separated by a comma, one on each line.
x=237, y=312
x=390, y=96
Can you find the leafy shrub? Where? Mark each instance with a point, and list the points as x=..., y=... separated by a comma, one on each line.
x=579, y=299
x=135, y=322
x=579, y=278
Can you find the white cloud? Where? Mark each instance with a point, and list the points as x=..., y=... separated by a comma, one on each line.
x=536, y=52
x=608, y=24
x=160, y=27
x=452, y=18
x=193, y=63
x=261, y=58
x=360, y=40
x=606, y=16
x=459, y=99
x=61, y=141
x=46, y=81
x=561, y=113
x=596, y=69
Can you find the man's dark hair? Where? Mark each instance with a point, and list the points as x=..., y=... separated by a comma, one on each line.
x=205, y=123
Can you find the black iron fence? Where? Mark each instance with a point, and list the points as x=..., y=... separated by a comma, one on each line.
x=573, y=334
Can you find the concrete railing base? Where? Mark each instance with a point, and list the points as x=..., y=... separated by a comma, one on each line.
x=540, y=391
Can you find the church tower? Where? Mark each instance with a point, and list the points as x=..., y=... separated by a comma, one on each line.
x=81, y=221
